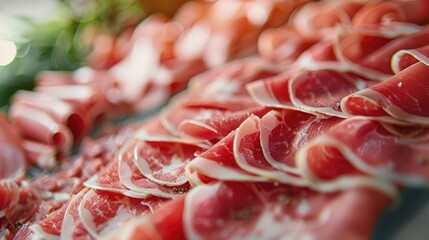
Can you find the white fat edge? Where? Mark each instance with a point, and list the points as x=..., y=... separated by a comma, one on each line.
x=396, y=114
x=249, y=126
x=223, y=88
x=268, y=123
x=86, y=216
x=341, y=183
x=68, y=223
x=216, y=171
x=143, y=166
x=394, y=30
x=394, y=63
x=201, y=193
x=192, y=177
x=353, y=67
x=41, y=234
x=384, y=172
x=84, y=75
x=92, y=183
x=262, y=93
x=166, y=124
x=145, y=137
x=130, y=69
x=124, y=171
x=404, y=139
x=329, y=111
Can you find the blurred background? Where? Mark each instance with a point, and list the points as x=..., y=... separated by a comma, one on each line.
x=60, y=34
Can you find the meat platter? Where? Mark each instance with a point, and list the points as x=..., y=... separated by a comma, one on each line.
x=243, y=119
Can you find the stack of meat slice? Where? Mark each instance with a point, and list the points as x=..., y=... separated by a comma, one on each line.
x=293, y=142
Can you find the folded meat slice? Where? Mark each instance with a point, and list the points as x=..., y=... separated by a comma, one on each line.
x=12, y=160
x=249, y=155
x=132, y=178
x=350, y=155
x=219, y=126
x=244, y=210
x=401, y=99
x=103, y=211
x=283, y=132
x=317, y=91
x=218, y=162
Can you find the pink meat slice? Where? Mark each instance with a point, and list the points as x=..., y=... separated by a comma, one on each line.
x=217, y=127
x=9, y=191
x=101, y=211
x=310, y=91
x=12, y=160
x=283, y=132
x=400, y=99
x=249, y=155
x=164, y=162
x=131, y=177
x=354, y=147
x=218, y=162
x=244, y=210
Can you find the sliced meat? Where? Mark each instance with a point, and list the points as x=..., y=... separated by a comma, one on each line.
x=400, y=99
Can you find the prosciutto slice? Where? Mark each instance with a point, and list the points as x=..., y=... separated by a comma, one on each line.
x=283, y=132
x=350, y=157
x=243, y=210
x=131, y=177
x=401, y=99
x=103, y=211
x=249, y=156
x=12, y=160
x=309, y=91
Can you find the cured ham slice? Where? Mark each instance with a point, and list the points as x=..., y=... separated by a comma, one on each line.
x=103, y=211
x=283, y=132
x=72, y=227
x=249, y=156
x=164, y=163
x=12, y=160
x=354, y=150
x=400, y=99
x=131, y=177
x=39, y=126
x=405, y=58
x=217, y=127
x=218, y=162
x=244, y=210
x=310, y=91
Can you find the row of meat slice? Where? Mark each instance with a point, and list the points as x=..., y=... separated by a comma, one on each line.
x=287, y=168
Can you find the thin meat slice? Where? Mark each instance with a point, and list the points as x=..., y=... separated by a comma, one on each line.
x=244, y=210
x=407, y=57
x=75, y=119
x=42, y=155
x=12, y=160
x=50, y=227
x=283, y=132
x=219, y=163
x=354, y=147
x=131, y=177
x=108, y=179
x=103, y=211
x=401, y=99
x=164, y=162
x=250, y=157
x=36, y=125
x=217, y=127
x=72, y=227
x=310, y=91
